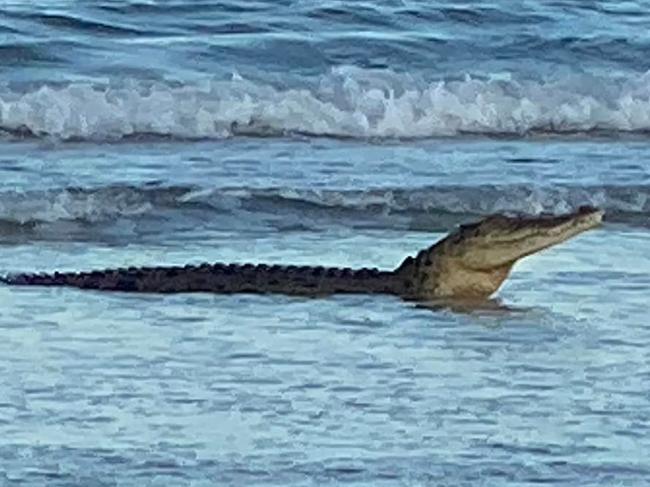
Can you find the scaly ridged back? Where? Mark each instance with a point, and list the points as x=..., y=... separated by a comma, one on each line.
x=222, y=278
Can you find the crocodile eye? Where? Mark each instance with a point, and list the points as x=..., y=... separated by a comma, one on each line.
x=473, y=230
x=584, y=209
x=469, y=228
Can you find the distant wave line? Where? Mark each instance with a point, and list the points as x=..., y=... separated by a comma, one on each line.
x=346, y=103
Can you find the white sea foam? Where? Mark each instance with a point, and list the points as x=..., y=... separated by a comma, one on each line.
x=347, y=102
x=85, y=205
x=467, y=200
x=438, y=205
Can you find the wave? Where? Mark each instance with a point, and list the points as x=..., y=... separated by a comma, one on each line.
x=424, y=208
x=347, y=102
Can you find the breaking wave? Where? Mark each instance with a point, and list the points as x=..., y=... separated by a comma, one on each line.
x=347, y=102
x=425, y=208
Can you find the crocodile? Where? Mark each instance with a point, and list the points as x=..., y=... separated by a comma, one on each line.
x=470, y=263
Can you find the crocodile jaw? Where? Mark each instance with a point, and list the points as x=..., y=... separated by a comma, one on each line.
x=500, y=241
x=473, y=261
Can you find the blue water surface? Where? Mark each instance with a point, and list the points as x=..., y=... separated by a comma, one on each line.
x=332, y=133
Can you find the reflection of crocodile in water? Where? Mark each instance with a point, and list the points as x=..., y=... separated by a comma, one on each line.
x=471, y=262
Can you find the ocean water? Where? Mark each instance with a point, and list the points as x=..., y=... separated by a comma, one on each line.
x=338, y=133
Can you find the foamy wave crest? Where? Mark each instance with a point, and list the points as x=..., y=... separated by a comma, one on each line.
x=426, y=208
x=347, y=102
x=433, y=207
x=85, y=204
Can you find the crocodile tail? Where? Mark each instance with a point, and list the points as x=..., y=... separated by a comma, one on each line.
x=86, y=280
x=29, y=279
x=220, y=278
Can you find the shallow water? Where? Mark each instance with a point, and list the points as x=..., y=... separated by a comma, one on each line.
x=149, y=133
x=365, y=390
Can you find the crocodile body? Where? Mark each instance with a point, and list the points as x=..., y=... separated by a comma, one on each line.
x=223, y=279
x=471, y=262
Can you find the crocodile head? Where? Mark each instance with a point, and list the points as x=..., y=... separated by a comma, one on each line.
x=473, y=261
